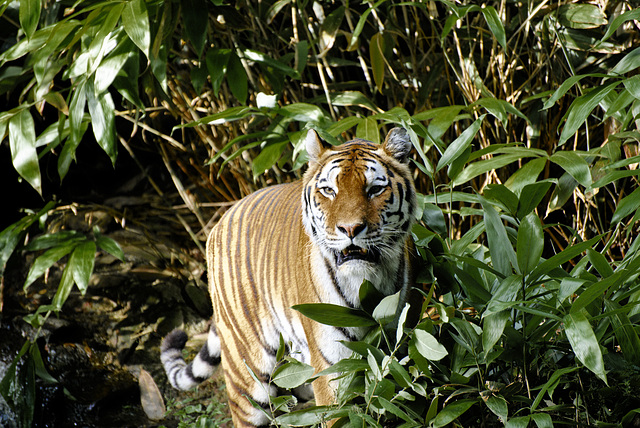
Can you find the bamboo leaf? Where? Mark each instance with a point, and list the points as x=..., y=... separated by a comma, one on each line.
x=292, y=374
x=22, y=142
x=575, y=165
x=376, y=54
x=460, y=144
x=81, y=264
x=195, y=20
x=530, y=243
x=584, y=343
x=335, y=315
x=428, y=346
x=452, y=411
x=502, y=254
x=135, y=19
x=626, y=206
x=29, y=15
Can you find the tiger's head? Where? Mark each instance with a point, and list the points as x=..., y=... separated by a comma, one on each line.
x=359, y=205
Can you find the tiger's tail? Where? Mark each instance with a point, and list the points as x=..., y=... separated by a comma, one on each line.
x=186, y=376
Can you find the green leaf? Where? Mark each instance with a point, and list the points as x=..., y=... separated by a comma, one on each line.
x=626, y=207
x=581, y=16
x=102, y=112
x=393, y=409
x=64, y=288
x=599, y=262
x=530, y=196
x=45, y=261
x=584, y=343
x=268, y=157
x=386, y=310
x=530, y=243
x=483, y=166
x=22, y=141
x=29, y=15
x=503, y=256
x=629, y=15
x=460, y=144
x=630, y=61
x=492, y=328
x=76, y=115
x=367, y=129
x=81, y=264
x=581, y=108
x=433, y=217
x=292, y=374
x=217, y=61
x=376, y=54
x=527, y=174
x=520, y=422
x=501, y=194
x=335, y=315
x=111, y=65
x=575, y=165
x=195, y=19
x=237, y=78
x=428, y=346
x=452, y=411
x=110, y=246
x=495, y=25
x=135, y=20
x=498, y=405
x=441, y=119
x=347, y=365
x=542, y=420
x=559, y=93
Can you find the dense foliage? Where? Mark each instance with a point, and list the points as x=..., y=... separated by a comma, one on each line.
x=524, y=117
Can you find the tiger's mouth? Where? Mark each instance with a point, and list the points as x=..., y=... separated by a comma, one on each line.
x=353, y=252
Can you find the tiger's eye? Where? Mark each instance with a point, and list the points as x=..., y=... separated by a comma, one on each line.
x=375, y=190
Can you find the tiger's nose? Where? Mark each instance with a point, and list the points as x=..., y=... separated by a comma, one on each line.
x=351, y=230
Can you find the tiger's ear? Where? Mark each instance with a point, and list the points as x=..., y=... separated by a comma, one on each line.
x=315, y=146
x=398, y=144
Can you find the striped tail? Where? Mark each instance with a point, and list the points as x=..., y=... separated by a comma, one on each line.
x=186, y=376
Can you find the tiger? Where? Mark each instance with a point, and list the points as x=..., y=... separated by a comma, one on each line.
x=314, y=240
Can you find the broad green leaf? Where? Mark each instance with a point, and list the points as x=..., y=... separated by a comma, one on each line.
x=57, y=239
x=495, y=25
x=452, y=411
x=519, y=422
x=262, y=58
x=353, y=98
x=581, y=15
x=217, y=61
x=393, y=409
x=503, y=256
x=22, y=141
x=584, y=343
x=433, y=217
x=81, y=264
x=428, y=346
x=574, y=164
x=329, y=28
x=562, y=192
x=599, y=262
x=110, y=246
x=460, y=144
x=387, y=309
x=441, y=119
x=335, y=315
x=542, y=420
x=501, y=194
x=500, y=109
x=581, y=108
x=498, y=405
x=268, y=157
x=530, y=196
x=195, y=19
x=102, y=112
x=64, y=288
x=626, y=207
x=76, y=115
x=111, y=65
x=530, y=243
x=506, y=291
x=292, y=374
x=492, y=328
x=367, y=129
x=304, y=112
x=45, y=261
x=376, y=54
x=632, y=85
x=237, y=78
x=630, y=61
x=29, y=15
x=135, y=20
